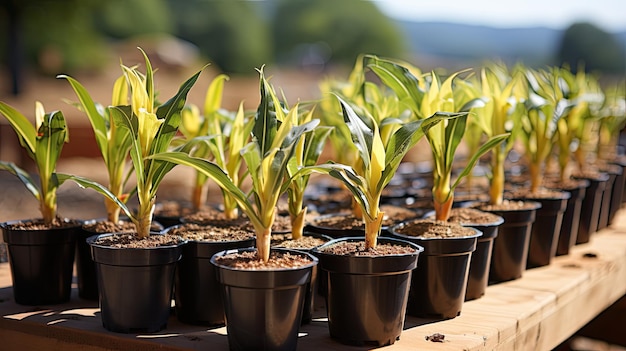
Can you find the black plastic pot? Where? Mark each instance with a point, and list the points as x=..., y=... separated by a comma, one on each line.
x=618, y=191
x=86, y=277
x=197, y=293
x=135, y=285
x=544, y=235
x=510, y=248
x=41, y=263
x=439, y=282
x=607, y=196
x=478, y=276
x=571, y=218
x=316, y=276
x=590, y=210
x=367, y=296
x=263, y=307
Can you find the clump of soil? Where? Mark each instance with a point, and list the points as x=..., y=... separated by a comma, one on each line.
x=250, y=260
x=305, y=242
x=38, y=224
x=436, y=337
x=133, y=241
x=427, y=228
x=209, y=233
x=466, y=216
x=357, y=248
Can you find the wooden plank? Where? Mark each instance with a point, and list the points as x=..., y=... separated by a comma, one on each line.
x=537, y=312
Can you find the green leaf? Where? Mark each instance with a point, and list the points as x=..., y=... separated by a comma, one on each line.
x=490, y=144
x=51, y=136
x=170, y=112
x=362, y=135
x=399, y=79
x=265, y=121
x=23, y=176
x=95, y=118
x=103, y=190
x=24, y=129
x=212, y=171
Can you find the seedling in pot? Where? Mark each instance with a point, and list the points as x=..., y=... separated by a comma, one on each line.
x=429, y=95
x=151, y=128
x=43, y=143
x=275, y=136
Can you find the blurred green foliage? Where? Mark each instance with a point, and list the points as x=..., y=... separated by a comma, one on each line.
x=333, y=30
x=598, y=51
x=236, y=36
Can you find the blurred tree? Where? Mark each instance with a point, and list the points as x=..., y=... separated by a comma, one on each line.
x=306, y=31
x=128, y=18
x=584, y=43
x=54, y=36
x=230, y=33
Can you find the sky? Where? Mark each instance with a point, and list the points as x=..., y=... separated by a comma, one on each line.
x=609, y=15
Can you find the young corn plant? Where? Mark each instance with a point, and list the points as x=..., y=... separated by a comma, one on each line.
x=546, y=105
x=427, y=96
x=366, y=99
x=114, y=143
x=503, y=97
x=612, y=118
x=43, y=143
x=220, y=135
x=379, y=162
x=230, y=135
x=581, y=90
x=306, y=154
x=275, y=136
x=151, y=128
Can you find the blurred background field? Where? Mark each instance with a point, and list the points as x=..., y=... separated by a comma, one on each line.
x=300, y=43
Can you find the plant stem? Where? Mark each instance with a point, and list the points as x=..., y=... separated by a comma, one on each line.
x=372, y=230
x=113, y=210
x=231, y=211
x=198, y=196
x=297, y=224
x=442, y=197
x=263, y=241
x=535, y=177
x=144, y=218
x=496, y=188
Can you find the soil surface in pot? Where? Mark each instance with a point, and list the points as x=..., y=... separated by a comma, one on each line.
x=568, y=184
x=305, y=242
x=508, y=205
x=110, y=227
x=427, y=228
x=393, y=215
x=541, y=193
x=357, y=248
x=250, y=260
x=133, y=241
x=213, y=217
x=466, y=216
x=38, y=224
x=209, y=233
x=174, y=209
